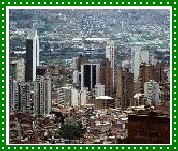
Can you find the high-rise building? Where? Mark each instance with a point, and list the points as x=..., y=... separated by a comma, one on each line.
x=47, y=94
x=124, y=88
x=89, y=75
x=110, y=52
x=15, y=101
x=152, y=92
x=66, y=92
x=21, y=97
x=106, y=76
x=32, y=55
x=75, y=76
x=38, y=103
x=17, y=70
x=74, y=96
x=42, y=88
x=30, y=97
x=140, y=55
x=110, y=48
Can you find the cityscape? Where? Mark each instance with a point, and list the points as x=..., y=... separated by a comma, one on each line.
x=89, y=76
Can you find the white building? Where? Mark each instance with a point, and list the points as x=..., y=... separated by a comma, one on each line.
x=99, y=90
x=17, y=70
x=75, y=76
x=83, y=96
x=110, y=47
x=74, y=96
x=152, y=92
x=138, y=56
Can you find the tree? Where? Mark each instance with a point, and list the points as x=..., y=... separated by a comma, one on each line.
x=71, y=132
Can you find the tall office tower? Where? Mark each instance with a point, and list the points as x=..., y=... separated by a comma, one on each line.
x=38, y=103
x=47, y=94
x=110, y=48
x=24, y=91
x=89, y=75
x=106, y=76
x=32, y=55
x=124, y=88
x=42, y=89
x=152, y=92
x=137, y=61
x=37, y=49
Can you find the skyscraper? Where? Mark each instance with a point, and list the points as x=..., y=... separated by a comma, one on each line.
x=47, y=94
x=110, y=50
x=89, y=75
x=42, y=88
x=106, y=76
x=124, y=88
x=32, y=55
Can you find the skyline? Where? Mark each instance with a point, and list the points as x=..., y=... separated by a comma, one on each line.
x=99, y=81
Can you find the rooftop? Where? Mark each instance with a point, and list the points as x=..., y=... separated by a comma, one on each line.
x=103, y=98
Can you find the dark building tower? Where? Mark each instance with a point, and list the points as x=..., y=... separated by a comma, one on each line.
x=29, y=70
x=89, y=75
x=106, y=76
x=32, y=56
x=124, y=88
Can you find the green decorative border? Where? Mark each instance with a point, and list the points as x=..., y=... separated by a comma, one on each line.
x=3, y=61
